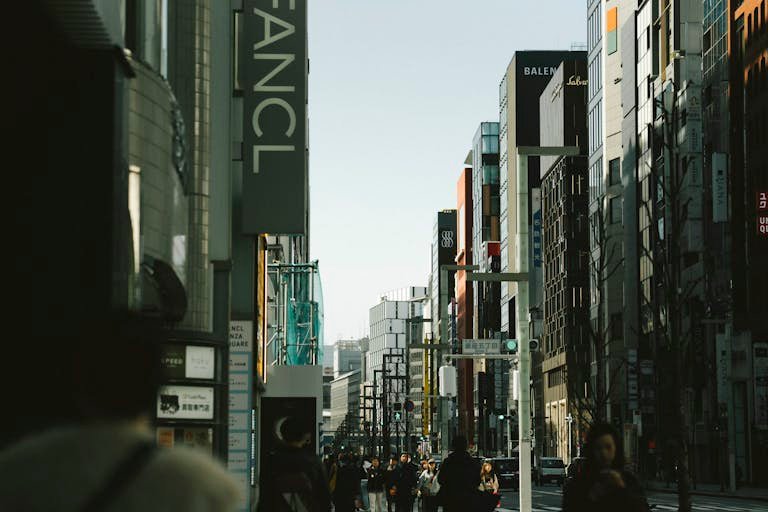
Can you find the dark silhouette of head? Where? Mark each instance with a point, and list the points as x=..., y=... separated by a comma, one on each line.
x=296, y=432
x=459, y=444
x=604, y=449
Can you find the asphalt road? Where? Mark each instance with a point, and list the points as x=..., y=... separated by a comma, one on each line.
x=548, y=498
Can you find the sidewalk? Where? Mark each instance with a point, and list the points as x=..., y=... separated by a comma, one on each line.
x=751, y=493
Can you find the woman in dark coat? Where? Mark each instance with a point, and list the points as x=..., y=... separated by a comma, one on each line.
x=604, y=485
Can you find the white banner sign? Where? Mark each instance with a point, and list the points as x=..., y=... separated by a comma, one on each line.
x=185, y=402
x=200, y=362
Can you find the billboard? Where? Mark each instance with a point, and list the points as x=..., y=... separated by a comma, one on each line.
x=274, y=76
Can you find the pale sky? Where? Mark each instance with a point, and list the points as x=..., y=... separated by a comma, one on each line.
x=397, y=89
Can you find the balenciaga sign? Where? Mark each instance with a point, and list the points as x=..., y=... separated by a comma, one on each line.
x=273, y=71
x=539, y=70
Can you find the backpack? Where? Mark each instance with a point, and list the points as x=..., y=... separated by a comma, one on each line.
x=293, y=492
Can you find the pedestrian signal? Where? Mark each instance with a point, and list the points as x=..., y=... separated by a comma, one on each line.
x=398, y=416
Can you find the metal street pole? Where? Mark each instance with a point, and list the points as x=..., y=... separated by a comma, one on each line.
x=523, y=306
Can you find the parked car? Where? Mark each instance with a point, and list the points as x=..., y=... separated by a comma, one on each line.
x=550, y=469
x=507, y=471
x=575, y=468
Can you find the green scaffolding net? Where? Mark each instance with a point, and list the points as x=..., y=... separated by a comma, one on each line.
x=304, y=317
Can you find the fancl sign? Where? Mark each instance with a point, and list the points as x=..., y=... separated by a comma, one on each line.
x=274, y=78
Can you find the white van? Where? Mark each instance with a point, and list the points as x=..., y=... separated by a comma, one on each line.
x=551, y=469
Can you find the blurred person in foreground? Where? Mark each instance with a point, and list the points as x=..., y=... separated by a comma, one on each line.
x=293, y=479
x=459, y=478
x=604, y=485
x=101, y=454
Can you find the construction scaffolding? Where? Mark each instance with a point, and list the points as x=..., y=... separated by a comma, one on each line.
x=295, y=328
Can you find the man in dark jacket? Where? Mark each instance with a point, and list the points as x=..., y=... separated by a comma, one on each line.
x=294, y=477
x=346, y=496
x=405, y=484
x=459, y=478
x=390, y=475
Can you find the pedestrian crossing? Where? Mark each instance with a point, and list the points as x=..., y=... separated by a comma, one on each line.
x=663, y=503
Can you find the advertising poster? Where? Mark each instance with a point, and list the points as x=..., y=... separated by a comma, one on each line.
x=185, y=402
x=239, y=460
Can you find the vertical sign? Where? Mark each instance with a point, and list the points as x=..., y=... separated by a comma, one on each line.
x=239, y=462
x=632, y=382
x=762, y=213
x=536, y=208
x=760, y=368
x=719, y=187
x=274, y=77
x=723, y=365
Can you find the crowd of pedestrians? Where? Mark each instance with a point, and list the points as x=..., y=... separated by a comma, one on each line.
x=350, y=483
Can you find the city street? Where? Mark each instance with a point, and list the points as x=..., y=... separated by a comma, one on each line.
x=549, y=498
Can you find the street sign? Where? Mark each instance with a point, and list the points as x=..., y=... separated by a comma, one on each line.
x=481, y=346
x=409, y=406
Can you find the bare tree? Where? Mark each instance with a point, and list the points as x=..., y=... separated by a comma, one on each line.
x=590, y=399
x=672, y=293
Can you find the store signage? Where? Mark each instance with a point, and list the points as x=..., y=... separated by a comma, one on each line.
x=239, y=460
x=760, y=371
x=172, y=361
x=537, y=238
x=274, y=77
x=576, y=80
x=187, y=362
x=723, y=365
x=185, y=402
x=199, y=362
x=539, y=70
x=762, y=216
x=719, y=187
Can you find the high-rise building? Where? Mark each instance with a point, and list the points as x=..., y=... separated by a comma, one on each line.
x=345, y=423
x=347, y=356
x=444, y=243
x=491, y=377
x=463, y=306
x=387, y=364
x=747, y=338
x=565, y=336
x=526, y=76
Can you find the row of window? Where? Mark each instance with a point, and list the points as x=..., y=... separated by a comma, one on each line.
x=756, y=21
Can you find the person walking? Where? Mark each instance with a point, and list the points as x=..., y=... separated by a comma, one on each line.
x=390, y=476
x=604, y=485
x=429, y=487
x=296, y=479
x=346, y=496
x=375, y=475
x=405, y=484
x=459, y=478
x=489, y=486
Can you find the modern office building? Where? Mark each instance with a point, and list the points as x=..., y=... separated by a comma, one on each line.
x=345, y=408
x=387, y=364
x=346, y=356
x=490, y=376
x=565, y=337
x=444, y=243
x=526, y=76
x=747, y=339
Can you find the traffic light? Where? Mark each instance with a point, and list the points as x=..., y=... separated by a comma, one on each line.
x=511, y=345
x=398, y=416
x=534, y=345
x=397, y=406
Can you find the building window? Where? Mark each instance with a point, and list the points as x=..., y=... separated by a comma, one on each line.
x=615, y=210
x=614, y=171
